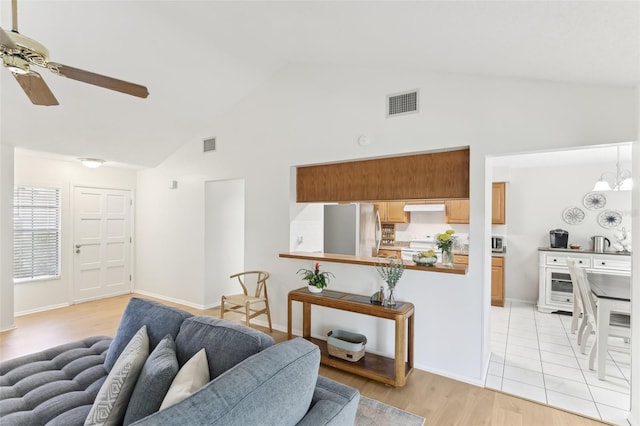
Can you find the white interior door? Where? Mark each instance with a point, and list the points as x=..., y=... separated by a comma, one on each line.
x=102, y=242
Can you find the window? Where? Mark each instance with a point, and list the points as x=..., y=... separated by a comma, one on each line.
x=36, y=233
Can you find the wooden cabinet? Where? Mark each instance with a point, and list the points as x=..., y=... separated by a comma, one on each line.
x=497, y=276
x=498, y=203
x=462, y=259
x=392, y=212
x=392, y=254
x=497, y=281
x=457, y=211
x=431, y=176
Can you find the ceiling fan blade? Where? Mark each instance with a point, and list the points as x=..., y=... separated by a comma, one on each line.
x=99, y=80
x=36, y=89
x=6, y=41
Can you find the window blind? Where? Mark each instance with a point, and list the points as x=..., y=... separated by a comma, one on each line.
x=36, y=233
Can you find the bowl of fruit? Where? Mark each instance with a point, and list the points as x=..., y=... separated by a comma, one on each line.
x=425, y=258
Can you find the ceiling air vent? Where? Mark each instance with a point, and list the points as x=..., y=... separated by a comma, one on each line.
x=209, y=144
x=402, y=103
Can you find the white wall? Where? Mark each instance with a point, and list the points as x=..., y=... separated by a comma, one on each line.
x=31, y=170
x=224, y=238
x=537, y=197
x=6, y=238
x=311, y=114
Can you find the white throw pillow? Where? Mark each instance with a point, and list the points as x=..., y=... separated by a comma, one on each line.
x=193, y=375
x=111, y=402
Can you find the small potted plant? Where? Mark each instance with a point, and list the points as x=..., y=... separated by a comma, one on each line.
x=315, y=279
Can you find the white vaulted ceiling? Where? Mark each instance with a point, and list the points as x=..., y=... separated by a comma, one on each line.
x=199, y=58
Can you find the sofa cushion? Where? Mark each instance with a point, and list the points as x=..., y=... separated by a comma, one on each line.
x=159, y=319
x=153, y=382
x=273, y=387
x=112, y=400
x=225, y=342
x=41, y=387
x=191, y=377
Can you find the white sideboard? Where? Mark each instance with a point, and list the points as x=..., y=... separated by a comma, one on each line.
x=555, y=291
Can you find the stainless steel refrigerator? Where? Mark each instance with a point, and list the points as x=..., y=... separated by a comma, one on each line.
x=351, y=229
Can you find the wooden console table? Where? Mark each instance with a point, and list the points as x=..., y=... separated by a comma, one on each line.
x=392, y=371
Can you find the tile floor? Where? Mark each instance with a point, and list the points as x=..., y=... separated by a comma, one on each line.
x=534, y=355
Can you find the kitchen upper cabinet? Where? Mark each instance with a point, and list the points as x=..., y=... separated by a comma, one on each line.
x=392, y=212
x=497, y=281
x=431, y=176
x=498, y=203
x=458, y=210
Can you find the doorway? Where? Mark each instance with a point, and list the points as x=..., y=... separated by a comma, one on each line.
x=535, y=354
x=102, y=243
x=224, y=238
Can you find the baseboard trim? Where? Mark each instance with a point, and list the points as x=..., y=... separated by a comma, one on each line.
x=93, y=299
x=470, y=380
x=41, y=309
x=170, y=299
x=9, y=328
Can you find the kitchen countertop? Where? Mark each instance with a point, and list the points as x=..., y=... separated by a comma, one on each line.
x=374, y=261
x=568, y=250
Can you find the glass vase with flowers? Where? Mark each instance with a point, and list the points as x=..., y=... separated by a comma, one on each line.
x=445, y=242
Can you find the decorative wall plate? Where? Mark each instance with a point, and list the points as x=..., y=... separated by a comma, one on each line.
x=573, y=215
x=609, y=219
x=594, y=200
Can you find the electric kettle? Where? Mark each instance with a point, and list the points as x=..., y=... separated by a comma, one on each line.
x=598, y=243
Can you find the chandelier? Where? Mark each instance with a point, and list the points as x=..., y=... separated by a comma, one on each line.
x=618, y=181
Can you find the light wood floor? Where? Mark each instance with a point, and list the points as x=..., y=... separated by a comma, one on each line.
x=440, y=400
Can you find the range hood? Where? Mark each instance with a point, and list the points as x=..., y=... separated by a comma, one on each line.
x=424, y=207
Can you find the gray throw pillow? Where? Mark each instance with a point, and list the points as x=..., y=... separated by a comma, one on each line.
x=153, y=382
x=159, y=319
x=113, y=397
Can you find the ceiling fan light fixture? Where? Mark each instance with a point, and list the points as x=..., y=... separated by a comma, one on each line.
x=92, y=163
x=16, y=65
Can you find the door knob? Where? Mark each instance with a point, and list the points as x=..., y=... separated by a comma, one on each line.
x=78, y=248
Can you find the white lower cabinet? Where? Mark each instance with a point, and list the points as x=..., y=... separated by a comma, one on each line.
x=555, y=287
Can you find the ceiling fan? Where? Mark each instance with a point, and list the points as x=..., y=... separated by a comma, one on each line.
x=20, y=53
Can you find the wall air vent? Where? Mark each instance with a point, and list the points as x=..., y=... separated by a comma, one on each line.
x=402, y=103
x=209, y=144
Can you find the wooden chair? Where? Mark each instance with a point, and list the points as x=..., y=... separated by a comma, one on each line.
x=619, y=323
x=244, y=303
x=578, y=310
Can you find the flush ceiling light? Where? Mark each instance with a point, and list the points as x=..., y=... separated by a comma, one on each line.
x=92, y=163
x=621, y=179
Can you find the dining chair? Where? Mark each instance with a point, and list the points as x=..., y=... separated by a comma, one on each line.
x=254, y=293
x=578, y=311
x=619, y=324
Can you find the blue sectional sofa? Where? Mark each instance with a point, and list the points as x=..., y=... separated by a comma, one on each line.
x=252, y=380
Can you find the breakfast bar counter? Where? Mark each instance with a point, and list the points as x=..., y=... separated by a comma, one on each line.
x=373, y=261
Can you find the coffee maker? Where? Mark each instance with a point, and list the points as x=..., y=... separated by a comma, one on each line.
x=558, y=238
